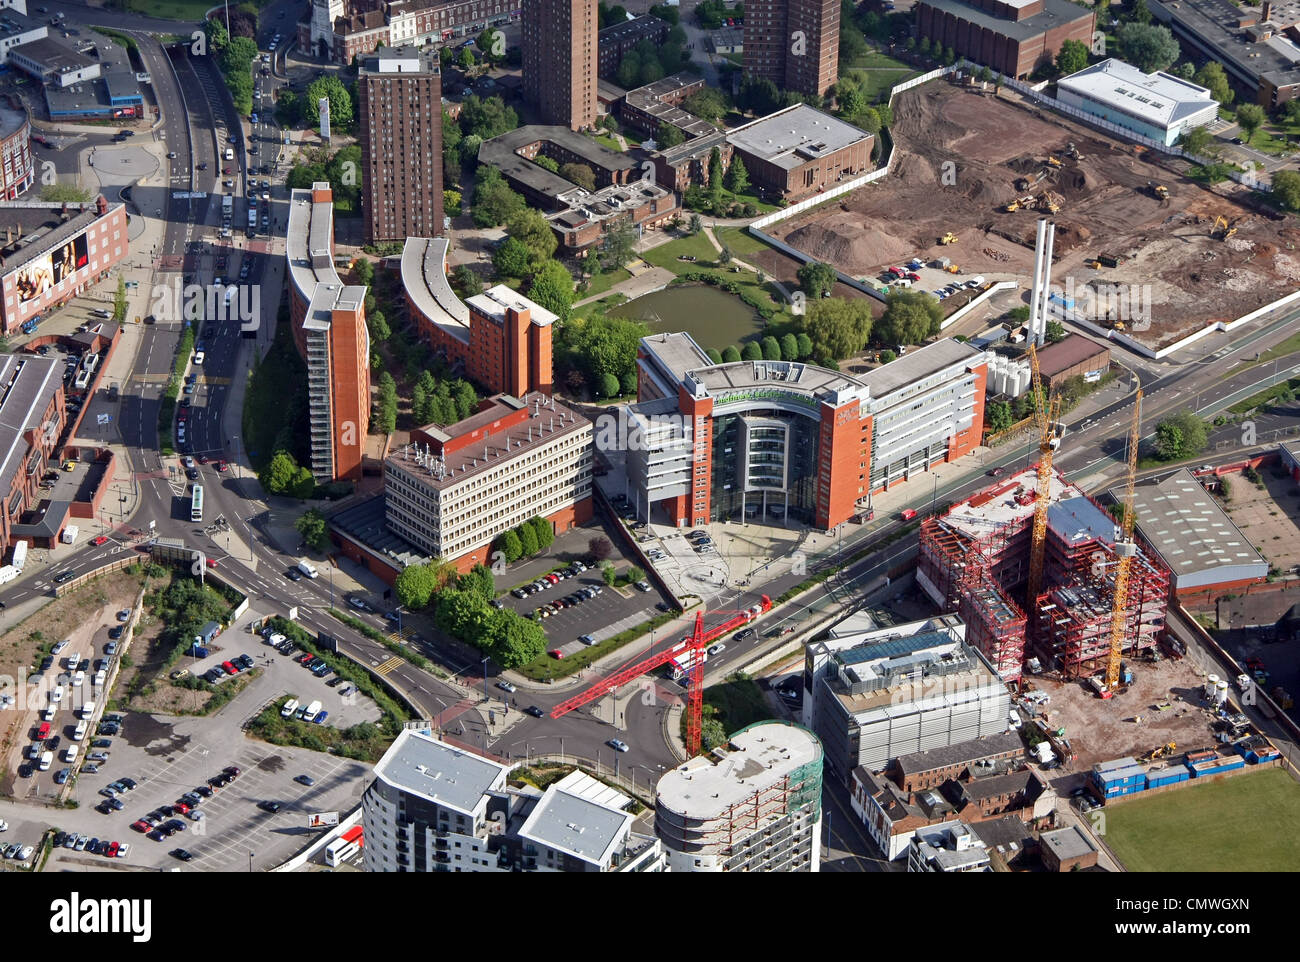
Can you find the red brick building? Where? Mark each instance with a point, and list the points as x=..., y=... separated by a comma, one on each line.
x=560, y=61
x=1013, y=37
x=793, y=43
x=799, y=151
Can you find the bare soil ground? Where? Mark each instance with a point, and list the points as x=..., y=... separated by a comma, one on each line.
x=1102, y=729
x=1106, y=207
x=1267, y=517
x=76, y=617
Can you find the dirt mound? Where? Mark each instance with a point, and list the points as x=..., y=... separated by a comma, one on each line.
x=1073, y=182
x=840, y=240
x=1025, y=165
x=1068, y=237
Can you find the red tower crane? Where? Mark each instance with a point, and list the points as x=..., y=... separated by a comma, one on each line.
x=693, y=646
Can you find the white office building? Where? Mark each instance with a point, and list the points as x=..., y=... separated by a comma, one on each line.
x=1158, y=106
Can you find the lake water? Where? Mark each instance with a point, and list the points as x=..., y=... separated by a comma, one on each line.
x=714, y=318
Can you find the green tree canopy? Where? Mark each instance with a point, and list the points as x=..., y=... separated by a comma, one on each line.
x=731, y=355
x=708, y=104
x=511, y=258
x=805, y=346
x=553, y=289
x=415, y=586
x=580, y=174
x=279, y=474
x=1213, y=77
x=508, y=544
x=910, y=317
x=311, y=525
x=997, y=416
x=1147, y=47
x=1072, y=57
x=512, y=640
x=531, y=228
x=838, y=328
x=751, y=352
x=789, y=347
x=771, y=349
x=1180, y=436
x=669, y=136
x=1249, y=118
x=737, y=176
x=340, y=100
x=1286, y=188
x=816, y=278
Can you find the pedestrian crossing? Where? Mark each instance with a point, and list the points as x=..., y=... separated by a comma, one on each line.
x=388, y=667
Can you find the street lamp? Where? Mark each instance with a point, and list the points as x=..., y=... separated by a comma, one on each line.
x=486, y=696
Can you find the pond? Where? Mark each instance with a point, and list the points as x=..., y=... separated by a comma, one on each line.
x=714, y=318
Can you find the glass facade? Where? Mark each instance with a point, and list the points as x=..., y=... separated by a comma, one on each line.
x=763, y=467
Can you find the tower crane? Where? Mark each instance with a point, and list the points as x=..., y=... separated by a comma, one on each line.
x=1125, y=550
x=1047, y=413
x=688, y=653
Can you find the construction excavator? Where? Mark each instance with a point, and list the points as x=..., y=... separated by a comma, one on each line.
x=948, y=238
x=1072, y=151
x=1019, y=202
x=1048, y=202
x=1160, y=752
x=1054, y=161
x=1221, y=228
x=1159, y=191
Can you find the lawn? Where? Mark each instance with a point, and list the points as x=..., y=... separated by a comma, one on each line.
x=742, y=243
x=877, y=83
x=602, y=282
x=186, y=10
x=875, y=60
x=267, y=411
x=1289, y=346
x=1240, y=824
x=706, y=263
x=605, y=140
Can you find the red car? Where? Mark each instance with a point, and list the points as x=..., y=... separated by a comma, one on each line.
x=141, y=826
x=98, y=541
x=221, y=466
x=909, y=514
x=212, y=562
x=557, y=654
x=112, y=849
x=182, y=808
x=229, y=668
x=43, y=732
x=913, y=276
x=202, y=458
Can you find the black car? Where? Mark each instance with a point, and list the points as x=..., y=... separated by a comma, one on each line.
x=203, y=791
x=128, y=783
x=535, y=711
x=83, y=665
x=192, y=473
x=59, y=839
x=115, y=632
x=108, y=728
x=47, y=663
x=102, y=743
x=182, y=854
x=304, y=780
x=157, y=835
x=293, y=574
x=64, y=577
x=334, y=682
x=271, y=807
x=103, y=808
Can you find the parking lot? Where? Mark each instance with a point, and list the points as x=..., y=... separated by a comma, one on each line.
x=609, y=612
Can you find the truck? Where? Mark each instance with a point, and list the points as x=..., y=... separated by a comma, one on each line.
x=680, y=666
x=20, y=555
x=7, y=574
x=227, y=205
x=289, y=708
x=69, y=535
x=308, y=570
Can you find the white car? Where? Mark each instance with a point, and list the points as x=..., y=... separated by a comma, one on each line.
x=124, y=850
x=70, y=753
x=617, y=745
x=717, y=649
x=196, y=816
x=56, y=694
x=59, y=647
x=78, y=679
x=4, y=826
x=27, y=852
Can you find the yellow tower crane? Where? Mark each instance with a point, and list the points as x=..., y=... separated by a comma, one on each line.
x=1047, y=413
x=1125, y=550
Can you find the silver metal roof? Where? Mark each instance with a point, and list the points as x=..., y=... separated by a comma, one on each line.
x=443, y=774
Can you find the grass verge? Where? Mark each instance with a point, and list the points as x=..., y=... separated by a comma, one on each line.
x=546, y=668
x=366, y=742
x=1266, y=396
x=267, y=417
x=1240, y=824
x=167, y=408
x=402, y=651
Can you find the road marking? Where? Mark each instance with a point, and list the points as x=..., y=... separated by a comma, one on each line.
x=389, y=666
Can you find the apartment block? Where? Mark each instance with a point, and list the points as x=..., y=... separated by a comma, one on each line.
x=616, y=41
x=793, y=43
x=329, y=330
x=561, y=63
x=753, y=805
x=1013, y=37
x=436, y=807
x=451, y=491
x=510, y=342
x=400, y=101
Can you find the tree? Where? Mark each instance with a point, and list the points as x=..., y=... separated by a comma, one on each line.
x=1072, y=58
x=751, y=352
x=492, y=45
x=1055, y=332
x=531, y=228
x=553, y=289
x=887, y=355
x=695, y=225
x=609, y=386
x=607, y=572
x=487, y=117
x=544, y=531
x=494, y=201
x=600, y=548
x=1139, y=12
x=1195, y=141
x=528, y=540
x=619, y=246
x=387, y=420
x=508, y=544
x=837, y=327
x=466, y=282
x=1181, y=436
x=1249, y=118
x=737, y=176
x=1147, y=47
x=541, y=160
x=724, y=255
x=279, y=474
x=910, y=317
x=708, y=104
x=1291, y=110
x=340, y=99
x=1186, y=70
x=364, y=271
x=378, y=325
x=510, y=259
x=715, y=171
x=462, y=615
x=512, y=640
x=1213, y=77
x=466, y=58
x=669, y=136
x=986, y=75
x=478, y=582
x=771, y=349
x=997, y=416
x=731, y=355
x=789, y=347
x=805, y=346
x=580, y=174
x=714, y=355
x=415, y=586
x=1286, y=188
x=816, y=278
x=601, y=345
x=852, y=101
x=311, y=525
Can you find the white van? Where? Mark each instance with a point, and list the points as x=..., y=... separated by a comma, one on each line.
x=310, y=712
x=307, y=569
x=902, y=282
x=47, y=759
x=289, y=708
x=230, y=154
x=70, y=754
x=87, y=709
x=101, y=677
x=80, y=732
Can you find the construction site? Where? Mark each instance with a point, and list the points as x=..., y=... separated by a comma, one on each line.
x=961, y=188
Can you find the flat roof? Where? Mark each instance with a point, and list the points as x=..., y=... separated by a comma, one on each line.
x=1218, y=25
x=495, y=301
x=366, y=522
x=53, y=55
x=424, y=278
x=577, y=819
x=919, y=364
x=795, y=136
x=961, y=752
x=27, y=383
x=1159, y=98
x=441, y=773
x=1068, y=842
x=1065, y=354
x=637, y=29
x=1055, y=13
x=648, y=99
x=44, y=228
x=995, y=505
x=1187, y=527
x=754, y=758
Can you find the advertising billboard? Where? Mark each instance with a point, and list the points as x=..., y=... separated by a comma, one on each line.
x=46, y=271
x=321, y=819
x=70, y=258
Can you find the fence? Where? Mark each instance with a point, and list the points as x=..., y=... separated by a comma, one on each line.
x=975, y=302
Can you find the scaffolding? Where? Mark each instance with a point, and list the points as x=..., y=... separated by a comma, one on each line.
x=1073, y=623
x=995, y=626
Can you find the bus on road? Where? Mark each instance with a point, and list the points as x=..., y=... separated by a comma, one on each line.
x=345, y=846
x=196, y=503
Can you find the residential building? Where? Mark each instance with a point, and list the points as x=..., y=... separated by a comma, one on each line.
x=513, y=154
x=753, y=805
x=399, y=93
x=17, y=166
x=1067, y=850
x=32, y=419
x=874, y=695
x=435, y=807
x=1013, y=37
x=800, y=151
x=793, y=43
x=947, y=848
x=1193, y=536
x=642, y=205
x=616, y=41
x=53, y=252
x=677, y=168
x=17, y=28
x=646, y=109
x=329, y=329
x=560, y=61
x=784, y=439
x=1256, y=51
x=510, y=342
x=451, y=491
x=338, y=30
x=929, y=769
x=892, y=816
x=1158, y=106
